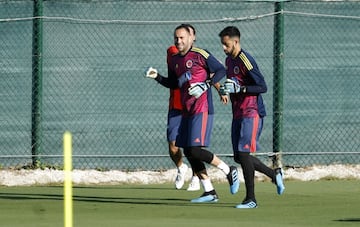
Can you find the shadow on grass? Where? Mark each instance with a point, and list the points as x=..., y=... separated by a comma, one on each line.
x=101, y=199
x=348, y=220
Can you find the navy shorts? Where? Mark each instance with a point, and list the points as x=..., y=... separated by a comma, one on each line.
x=245, y=134
x=195, y=131
x=174, y=119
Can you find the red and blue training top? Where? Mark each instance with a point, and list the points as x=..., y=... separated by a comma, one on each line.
x=245, y=70
x=199, y=63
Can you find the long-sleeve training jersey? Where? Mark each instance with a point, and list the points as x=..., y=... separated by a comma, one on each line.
x=198, y=64
x=245, y=70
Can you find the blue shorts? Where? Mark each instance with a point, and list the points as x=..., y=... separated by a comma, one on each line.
x=173, y=123
x=245, y=133
x=195, y=131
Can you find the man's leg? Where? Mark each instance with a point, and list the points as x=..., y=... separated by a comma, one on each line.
x=199, y=168
x=274, y=174
x=230, y=171
x=176, y=157
x=245, y=160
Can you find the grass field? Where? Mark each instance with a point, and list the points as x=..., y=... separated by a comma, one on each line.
x=316, y=203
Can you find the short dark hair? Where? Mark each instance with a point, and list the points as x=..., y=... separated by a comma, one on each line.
x=184, y=26
x=187, y=27
x=191, y=27
x=230, y=31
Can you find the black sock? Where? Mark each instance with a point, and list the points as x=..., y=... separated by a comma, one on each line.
x=248, y=169
x=262, y=168
x=212, y=192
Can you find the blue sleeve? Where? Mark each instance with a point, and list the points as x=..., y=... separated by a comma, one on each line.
x=216, y=67
x=170, y=81
x=259, y=85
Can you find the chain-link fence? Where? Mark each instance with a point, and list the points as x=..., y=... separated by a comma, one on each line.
x=79, y=65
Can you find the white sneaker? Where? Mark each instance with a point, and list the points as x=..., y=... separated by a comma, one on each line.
x=180, y=177
x=194, y=184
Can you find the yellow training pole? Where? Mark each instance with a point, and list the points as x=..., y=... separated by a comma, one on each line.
x=68, y=206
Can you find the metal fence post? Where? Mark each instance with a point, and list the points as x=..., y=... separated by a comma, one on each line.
x=278, y=82
x=36, y=82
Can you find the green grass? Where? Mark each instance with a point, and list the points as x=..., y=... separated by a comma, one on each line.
x=318, y=203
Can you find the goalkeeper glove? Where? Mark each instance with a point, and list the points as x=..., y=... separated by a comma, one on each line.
x=233, y=86
x=222, y=90
x=151, y=73
x=197, y=89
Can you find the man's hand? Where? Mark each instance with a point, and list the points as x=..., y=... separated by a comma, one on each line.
x=197, y=89
x=151, y=73
x=224, y=95
x=223, y=91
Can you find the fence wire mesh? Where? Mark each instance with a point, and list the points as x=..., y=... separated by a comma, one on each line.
x=93, y=57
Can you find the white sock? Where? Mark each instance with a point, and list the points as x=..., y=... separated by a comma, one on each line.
x=224, y=167
x=181, y=166
x=196, y=178
x=207, y=185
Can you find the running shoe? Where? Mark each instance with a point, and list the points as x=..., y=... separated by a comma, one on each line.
x=180, y=177
x=280, y=188
x=206, y=197
x=248, y=204
x=194, y=184
x=233, y=178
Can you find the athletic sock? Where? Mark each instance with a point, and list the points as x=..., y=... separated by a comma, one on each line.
x=212, y=192
x=224, y=167
x=262, y=168
x=207, y=185
x=180, y=166
x=249, y=174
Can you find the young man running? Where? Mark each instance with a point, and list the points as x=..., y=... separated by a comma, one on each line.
x=173, y=122
x=190, y=71
x=245, y=83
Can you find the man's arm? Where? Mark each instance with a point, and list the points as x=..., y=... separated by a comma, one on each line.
x=259, y=85
x=224, y=98
x=216, y=68
x=168, y=82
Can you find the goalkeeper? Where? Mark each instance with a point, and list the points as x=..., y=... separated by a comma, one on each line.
x=173, y=122
x=245, y=83
x=190, y=71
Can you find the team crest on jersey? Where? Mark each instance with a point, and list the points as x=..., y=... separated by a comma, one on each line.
x=236, y=70
x=189, y=64
x=176, y=66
